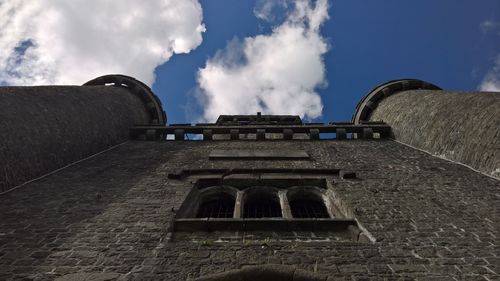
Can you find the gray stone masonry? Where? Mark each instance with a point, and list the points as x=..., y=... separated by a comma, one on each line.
x=464, y=127
x=106, y=218
x=48, y=127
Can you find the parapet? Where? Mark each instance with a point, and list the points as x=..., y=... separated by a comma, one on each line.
x=459, y=126
x=48, y=127
x=258, y=119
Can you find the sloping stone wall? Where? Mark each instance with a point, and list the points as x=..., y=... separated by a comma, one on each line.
x=463, y=127
x=45, y=128
x=108, y=217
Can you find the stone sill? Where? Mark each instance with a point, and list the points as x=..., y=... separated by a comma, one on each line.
x=264, y=224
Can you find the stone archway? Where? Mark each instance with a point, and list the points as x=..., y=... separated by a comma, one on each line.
x=266, y=273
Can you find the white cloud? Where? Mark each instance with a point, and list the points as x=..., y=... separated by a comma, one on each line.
x=277, y=73
x=489, y=25
x=71, y=42
x=267, y=9
x=491, y=82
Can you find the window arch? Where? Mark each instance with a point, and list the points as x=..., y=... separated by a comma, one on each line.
x=216, y=205
x=261, y=203
x=307, y=202
x=265, y=272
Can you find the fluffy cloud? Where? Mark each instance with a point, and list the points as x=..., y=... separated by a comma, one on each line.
x=71, y=42
x=491, y=81
x=276, y=73
x=489, y=25
x=268, y=9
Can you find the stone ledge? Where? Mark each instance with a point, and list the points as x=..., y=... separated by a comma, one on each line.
x=263, y=224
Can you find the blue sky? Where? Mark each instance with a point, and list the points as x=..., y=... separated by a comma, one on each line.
x=371, y=42
x=315, y=58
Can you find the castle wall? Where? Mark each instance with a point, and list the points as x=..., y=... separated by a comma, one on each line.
x=463, y=127
x=109, y=217
x=47, y=127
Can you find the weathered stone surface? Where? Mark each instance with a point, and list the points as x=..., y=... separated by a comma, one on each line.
x=207, y=134
x=270, y=272
x=258, y=154
x=431, y=219
x=303, y=275
x=89, y=277
x=45, y=128
x=463, y=127
x=179, y=134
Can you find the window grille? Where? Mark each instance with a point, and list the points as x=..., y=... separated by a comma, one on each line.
x=262, y=208
x=222, y=206
x=231, y=208
x=308, y=208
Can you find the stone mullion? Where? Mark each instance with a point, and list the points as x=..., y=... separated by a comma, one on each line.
x=238, y=205
x=285, y=206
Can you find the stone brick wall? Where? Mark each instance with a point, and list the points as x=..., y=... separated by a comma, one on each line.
x=463, y=127
x=48, y=127
x=108, y=217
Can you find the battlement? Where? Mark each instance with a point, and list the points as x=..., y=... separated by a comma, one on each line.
x=258, y=119
x=262, y=131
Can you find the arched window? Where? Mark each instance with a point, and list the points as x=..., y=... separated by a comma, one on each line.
x=265, y=272
x=307, y=204
x=262, y=205
x=218, y=205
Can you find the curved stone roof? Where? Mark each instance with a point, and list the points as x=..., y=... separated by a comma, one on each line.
x=367, y=104
x=152, y=102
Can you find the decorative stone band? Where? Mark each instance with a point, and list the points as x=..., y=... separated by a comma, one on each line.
x=223, y=173
x=370, y=101
x=151, y=101
x=367, y=130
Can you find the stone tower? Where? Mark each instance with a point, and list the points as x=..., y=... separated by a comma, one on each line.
x=95, y=185
x=460, y=126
